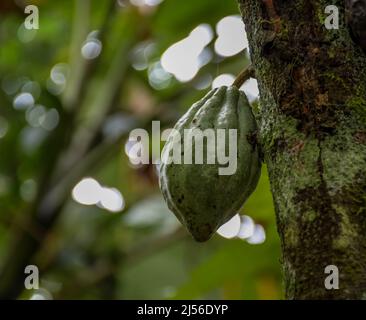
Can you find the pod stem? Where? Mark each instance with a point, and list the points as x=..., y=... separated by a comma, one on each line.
x=244, y=76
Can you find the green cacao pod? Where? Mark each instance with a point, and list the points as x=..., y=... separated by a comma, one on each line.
x=200, y=197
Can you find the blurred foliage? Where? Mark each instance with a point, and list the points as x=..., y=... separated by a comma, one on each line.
x=89, y=252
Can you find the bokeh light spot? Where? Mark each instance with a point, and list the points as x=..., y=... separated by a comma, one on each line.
x=87, y=192
x=259, y=235
x=232, y=37
x=231, y=228
x=23, y=101
x=225, y=79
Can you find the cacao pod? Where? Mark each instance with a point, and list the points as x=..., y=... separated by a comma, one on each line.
x=197, y=194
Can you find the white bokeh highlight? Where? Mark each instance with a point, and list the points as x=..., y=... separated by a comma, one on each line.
x=150, y=3
x=250, y=87
x=183, y=59
x=247, y=227
x=111, y=199
x=231, y=228
x=225, y=79
x=91, y=49
x=243, y=227
x=23, y=101
x=232, y=37
x=89, y=192
x=259, y=235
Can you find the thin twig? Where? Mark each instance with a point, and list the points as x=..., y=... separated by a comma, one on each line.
x=243, y=76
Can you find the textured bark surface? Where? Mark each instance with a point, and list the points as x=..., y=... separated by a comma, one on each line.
x=312, y=120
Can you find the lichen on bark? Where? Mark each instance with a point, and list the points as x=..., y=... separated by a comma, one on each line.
x=312, y=121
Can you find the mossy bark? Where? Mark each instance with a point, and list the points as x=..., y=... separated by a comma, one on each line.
x=312, y=120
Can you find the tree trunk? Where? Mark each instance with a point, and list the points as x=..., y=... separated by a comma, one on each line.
x=312, y=120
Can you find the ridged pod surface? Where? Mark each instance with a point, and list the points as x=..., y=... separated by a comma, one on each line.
x=197, y=194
